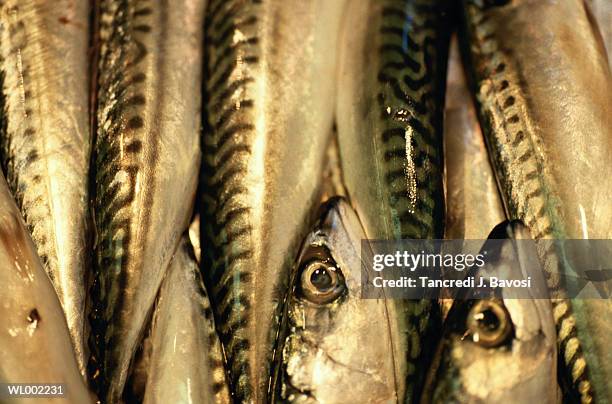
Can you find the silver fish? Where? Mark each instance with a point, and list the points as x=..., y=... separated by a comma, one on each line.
x=503, y=349
x=147, y=156
x=543, y=89
x=45, y=140
x=389, y=116
x=338, y=347
x=473, y=203
x=270, y=92
x=34, y=338
x=186, y=358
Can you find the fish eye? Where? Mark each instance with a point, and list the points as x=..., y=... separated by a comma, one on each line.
x=321, y=281
x=489, y=323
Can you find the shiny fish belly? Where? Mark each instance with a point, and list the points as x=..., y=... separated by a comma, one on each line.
x=33, y=332
x=146, y=165
x=45, y=140
x=389, y=117
x=270, y=91
x=186, y=362
x=473, y=203
x=545, y=111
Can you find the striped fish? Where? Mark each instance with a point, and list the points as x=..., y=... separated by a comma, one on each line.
x=270, y=99
x=45, y=140
x=543, y=89
x=186, y=362
x=34, y=339
x=146, y=165
x=389, y=116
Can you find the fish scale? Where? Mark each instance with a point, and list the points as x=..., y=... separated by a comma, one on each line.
x=269, y=103
x=527, y=150
x=389, y=113
x=148, y=123
x=45, y=140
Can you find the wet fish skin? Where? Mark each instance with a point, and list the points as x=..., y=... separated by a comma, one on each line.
x=473, y=203
x=45, y=140
x=270, y=98
x=34, y=335
x=146, y=165
x=543, y=94
x=517, y=361
x=389, y=118
x=333, y=351
x=186, y=359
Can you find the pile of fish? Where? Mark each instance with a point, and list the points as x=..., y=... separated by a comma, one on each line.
x=186, y=186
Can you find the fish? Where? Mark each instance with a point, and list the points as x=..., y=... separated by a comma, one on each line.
x=45, y=141
x=499, y=349
x=543, y=93
x=473, y=203
x=146, y=165
x=34, y=335
x=186, y=363
x=270, y=91
x=391, y=85
x=333, y=351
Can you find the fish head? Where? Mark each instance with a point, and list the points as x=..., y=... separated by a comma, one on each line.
x=337, y=346
x=502, y=348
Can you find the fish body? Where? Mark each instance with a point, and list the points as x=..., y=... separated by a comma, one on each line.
x=270, y=93
x=35, y=341
x=501, y=349
x=147, y=157
x=543, y=93
x=45, y=140
x=186, y=362
x=473, y=203
x=333, y=351
x=389, y=119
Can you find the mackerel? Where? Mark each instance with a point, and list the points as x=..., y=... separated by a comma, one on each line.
x=389, y=117
x=543, y=90
x=35, y=341
x=45, y=140
x=337, y=347
x=503, y=348
x=186, y=362
x=147, y=157
x=270, y=89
